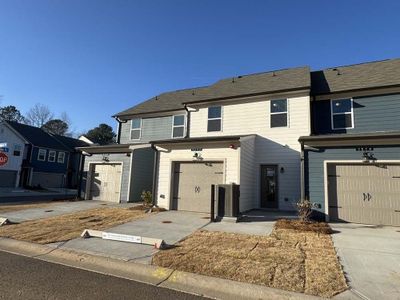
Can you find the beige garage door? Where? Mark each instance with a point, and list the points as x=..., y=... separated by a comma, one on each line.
x=368, y=194
x=106, y=182
x=192, y=185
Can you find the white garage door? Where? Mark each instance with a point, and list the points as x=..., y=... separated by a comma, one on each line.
x=192, y=185
x=364, y=193
x=106, y=182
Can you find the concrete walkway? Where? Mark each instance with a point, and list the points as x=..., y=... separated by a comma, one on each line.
x=55, y=209
x=23, y=195
x=370, y=256
x=171, y=226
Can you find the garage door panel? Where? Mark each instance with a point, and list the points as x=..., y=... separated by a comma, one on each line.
x=192, y=185
x=106, y=182
x=367, y=194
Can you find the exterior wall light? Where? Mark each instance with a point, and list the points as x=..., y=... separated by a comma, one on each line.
x=368, y=157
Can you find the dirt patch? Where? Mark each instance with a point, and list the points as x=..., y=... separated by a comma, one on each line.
x=69, y=226
x=319, y=227
x=289, y=259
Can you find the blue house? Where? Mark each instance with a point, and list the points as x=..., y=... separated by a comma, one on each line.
x=351, y=162
x=35, y=158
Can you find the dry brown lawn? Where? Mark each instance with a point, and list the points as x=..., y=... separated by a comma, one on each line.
x=69, y=226
x=289, y=259
x=16, y=207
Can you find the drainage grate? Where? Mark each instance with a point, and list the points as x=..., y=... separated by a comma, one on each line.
x=50, y=210
x=166, y=222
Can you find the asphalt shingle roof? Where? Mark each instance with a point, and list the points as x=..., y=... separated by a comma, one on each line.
x=354, y=77
x=40, y=138
x=268, y=82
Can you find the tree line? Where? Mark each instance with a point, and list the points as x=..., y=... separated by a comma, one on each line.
x=40, y=116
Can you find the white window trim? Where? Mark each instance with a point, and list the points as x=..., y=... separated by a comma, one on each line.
x=277, y=113
x=220, y=118
x=177, y=126
x=63, y=157
x=55, y=154
x=345, y=113
x=140, y=130
x=45, y=154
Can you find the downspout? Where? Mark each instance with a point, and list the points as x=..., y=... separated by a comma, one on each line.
x=119, y=129
x=155, y=169
x=81, y=166
x=187, y=121
x=302, y=174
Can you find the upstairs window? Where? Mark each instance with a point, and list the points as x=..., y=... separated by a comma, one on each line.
x=136, y=129
x=279, y=114
x=178, y=126
x=17, y=150
x=42, y=155
x=61, y=157
x=342, y=114
x=52, y=156
x=214, y=119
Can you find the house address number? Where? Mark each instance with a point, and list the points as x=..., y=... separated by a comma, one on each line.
x=196, y=149
x=365, y=148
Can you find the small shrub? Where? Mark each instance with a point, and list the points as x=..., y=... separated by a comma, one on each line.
x=304, y=209
x=147, y=198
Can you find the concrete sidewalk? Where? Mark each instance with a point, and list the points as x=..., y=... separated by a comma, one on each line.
x=370, y=256
x=8, y=195
x=171, y=226
x=56, y=209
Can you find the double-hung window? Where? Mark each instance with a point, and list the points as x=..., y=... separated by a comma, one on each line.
x=279, y=113
x=136, y=129
x=42, y=155
x=17, y=150
x=342, y=116
x=178, y=126
x=214, y=122
x=61, y=157
x=52, y=156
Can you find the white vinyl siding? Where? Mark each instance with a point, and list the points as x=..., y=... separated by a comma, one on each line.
x=42, y=155
x=52, y=156
x=276, y=146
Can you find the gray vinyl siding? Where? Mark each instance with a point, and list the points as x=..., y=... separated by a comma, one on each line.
x=113, y=158
x=371, y=114
x=142, y=173
x=152, y=129
x=314, y=179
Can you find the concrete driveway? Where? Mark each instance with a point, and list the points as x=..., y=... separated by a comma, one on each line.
x=171, y=226
x=370, y=256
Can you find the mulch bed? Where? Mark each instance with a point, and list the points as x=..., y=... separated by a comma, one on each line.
x=299, y=260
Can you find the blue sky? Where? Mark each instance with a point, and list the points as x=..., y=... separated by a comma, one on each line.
x=94, y=58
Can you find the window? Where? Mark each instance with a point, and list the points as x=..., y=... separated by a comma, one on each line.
x=42, y=154
x=61, y=157
x=214, y=119
x=52, y=156
x=279, y=115
x=136, y=129
x=342, y=114
x=178, y=126
x=17, y=150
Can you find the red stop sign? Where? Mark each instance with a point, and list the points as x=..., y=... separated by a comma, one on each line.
x=3, y=159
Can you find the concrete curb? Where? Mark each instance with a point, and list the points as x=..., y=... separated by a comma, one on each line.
x=167, y=278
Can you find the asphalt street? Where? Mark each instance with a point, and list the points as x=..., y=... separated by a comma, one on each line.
x=28, y=278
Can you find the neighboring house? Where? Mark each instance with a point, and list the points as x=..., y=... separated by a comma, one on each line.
x=352, y=158
x=36, y=158
x=242, y=130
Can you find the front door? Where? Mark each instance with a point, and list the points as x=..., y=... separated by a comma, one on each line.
x=269, y=186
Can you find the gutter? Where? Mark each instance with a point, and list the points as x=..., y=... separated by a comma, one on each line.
x=155, y=169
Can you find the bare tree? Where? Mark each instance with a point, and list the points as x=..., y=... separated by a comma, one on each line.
x=38, y=115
